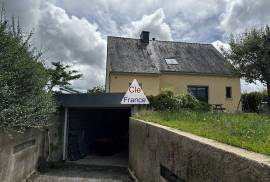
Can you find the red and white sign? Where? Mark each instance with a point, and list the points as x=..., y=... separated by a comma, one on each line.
x=134, y=94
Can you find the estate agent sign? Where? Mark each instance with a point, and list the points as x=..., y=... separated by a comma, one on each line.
x=134, y=94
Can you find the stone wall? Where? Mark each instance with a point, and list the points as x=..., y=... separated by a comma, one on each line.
x=158, y=153
x=19, y=153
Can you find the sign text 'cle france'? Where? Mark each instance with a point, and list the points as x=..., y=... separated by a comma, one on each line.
x=134, y=94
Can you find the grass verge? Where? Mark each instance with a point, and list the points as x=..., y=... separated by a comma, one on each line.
x=245, y=130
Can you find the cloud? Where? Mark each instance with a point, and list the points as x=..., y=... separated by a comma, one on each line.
x=70, y=38
x=91, y=77
x=244, y=14
x=251, y=87
x=75, y=32
x=155, y=23
x=74, y=41
x=221, y=46
x=28, y=12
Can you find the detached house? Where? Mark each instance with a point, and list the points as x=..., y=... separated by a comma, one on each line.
x=185, y=67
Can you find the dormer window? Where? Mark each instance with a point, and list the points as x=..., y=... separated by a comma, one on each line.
x=171, y=61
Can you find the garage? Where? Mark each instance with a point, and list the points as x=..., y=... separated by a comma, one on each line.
x=95, y=128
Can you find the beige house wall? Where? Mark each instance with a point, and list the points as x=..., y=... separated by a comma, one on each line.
x=152, y=85
x=216, y=87
x=120, y=83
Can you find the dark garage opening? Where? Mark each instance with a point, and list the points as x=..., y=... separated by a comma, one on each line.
x=98, y=136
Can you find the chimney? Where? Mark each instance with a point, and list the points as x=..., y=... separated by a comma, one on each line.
x=144, y=37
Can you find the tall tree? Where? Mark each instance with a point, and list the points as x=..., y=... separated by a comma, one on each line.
x=24, y=102
x=250, y=54
x=60, y=75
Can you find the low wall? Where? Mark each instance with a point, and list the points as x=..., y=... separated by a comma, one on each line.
x=159, y=153
x=19, y=153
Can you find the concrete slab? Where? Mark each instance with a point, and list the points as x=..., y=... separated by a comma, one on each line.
x=83, y=173
x=119, y=159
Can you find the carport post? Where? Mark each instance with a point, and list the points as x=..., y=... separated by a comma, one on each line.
x=65, y=134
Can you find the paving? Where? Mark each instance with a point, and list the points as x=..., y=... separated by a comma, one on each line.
x=119, y=159
x=70, y=172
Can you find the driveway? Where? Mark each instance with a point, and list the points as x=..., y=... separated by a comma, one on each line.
x=83, y=173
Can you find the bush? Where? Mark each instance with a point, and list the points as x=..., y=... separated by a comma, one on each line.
x=168, y=101
x=251, y=101
x=24, y=101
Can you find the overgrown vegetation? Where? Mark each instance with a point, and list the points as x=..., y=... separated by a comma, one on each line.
x=252, y=102
x=24, y=102
x=167, y=100
x=248, y=131
x=250, y=54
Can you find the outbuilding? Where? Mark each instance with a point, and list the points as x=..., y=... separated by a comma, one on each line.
x=95, y=127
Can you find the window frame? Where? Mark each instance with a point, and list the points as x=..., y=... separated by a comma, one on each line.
x=230, y=92
x=200, y=86
x=171, y=59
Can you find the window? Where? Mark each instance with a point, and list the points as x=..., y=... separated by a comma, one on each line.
x=199, y=92
x=228, y=92
x=171, y=61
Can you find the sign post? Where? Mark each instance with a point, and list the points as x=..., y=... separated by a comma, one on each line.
x=134, y=96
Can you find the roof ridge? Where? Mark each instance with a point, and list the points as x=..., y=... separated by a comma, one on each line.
x=170, y=41
x=183, y=42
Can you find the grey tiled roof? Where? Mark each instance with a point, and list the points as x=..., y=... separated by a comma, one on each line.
x=132, y=56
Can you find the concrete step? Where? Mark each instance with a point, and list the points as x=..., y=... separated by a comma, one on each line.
x=83, y=173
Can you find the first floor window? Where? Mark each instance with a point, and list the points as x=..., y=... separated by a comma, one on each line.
x=228, y=92
x=199, y=92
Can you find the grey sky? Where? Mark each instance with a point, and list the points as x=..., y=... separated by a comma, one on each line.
x=75, y=31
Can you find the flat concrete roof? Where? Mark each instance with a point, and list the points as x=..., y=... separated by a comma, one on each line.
x=99, y=100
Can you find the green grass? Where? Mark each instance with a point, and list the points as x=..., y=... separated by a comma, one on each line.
x=245, y=130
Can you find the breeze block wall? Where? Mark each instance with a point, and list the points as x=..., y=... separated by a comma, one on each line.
x=158, y=153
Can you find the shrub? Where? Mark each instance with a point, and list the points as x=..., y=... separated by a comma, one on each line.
x=164, y=101
x=168, y=101
x=24, y=101
x=251, y=101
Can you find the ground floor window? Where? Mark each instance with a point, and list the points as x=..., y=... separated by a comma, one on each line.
x=200, y=92
x=228, y=92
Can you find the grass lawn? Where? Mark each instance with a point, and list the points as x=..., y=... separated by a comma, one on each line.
x=245, y=130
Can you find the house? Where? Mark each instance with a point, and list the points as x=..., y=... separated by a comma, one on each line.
x=185, y=67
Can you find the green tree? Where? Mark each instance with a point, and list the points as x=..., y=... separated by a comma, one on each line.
x=250, y=54
x=60, y=75
x=96, y=89
x=24, y=101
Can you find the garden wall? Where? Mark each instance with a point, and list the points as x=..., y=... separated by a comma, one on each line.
x=19, y=153
x=158, y=153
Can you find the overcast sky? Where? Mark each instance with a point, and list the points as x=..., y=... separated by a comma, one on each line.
x=75, y=31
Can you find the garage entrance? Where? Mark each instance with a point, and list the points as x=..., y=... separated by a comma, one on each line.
x=95, y=129
x=98, y=136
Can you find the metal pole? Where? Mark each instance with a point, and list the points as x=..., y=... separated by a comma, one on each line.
x=65, y=134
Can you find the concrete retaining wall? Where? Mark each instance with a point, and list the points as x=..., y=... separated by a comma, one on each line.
x=157, y=153
x=19, y=153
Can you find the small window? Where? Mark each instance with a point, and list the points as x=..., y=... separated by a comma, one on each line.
x=228, y=92
x=171, y=61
